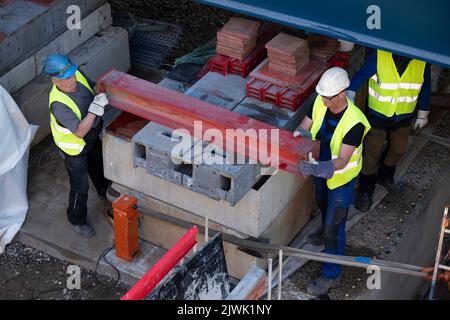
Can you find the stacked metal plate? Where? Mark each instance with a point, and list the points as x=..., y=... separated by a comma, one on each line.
x=151, y=41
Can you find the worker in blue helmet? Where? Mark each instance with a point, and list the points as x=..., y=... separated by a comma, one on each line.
x=76, y=123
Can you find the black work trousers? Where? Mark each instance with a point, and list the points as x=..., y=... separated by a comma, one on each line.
x=88, y=163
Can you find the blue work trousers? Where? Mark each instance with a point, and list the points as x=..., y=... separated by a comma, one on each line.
x=334, y=206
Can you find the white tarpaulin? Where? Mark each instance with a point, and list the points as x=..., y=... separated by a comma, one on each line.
x=15, y=138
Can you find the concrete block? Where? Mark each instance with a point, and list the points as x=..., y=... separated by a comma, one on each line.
x=219, y=177
x=212, y=172
x=253, y=214
x=223, y=91
x=29, y=26
x=155, y=149
x=32, y=67
x=107, y=50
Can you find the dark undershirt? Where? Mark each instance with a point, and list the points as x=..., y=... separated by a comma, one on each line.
x=353, y=137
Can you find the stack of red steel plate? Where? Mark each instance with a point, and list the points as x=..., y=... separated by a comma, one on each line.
x=287, y=54
x=237, y=38
x=228, y=65
x=283, y=90
x=322, y=48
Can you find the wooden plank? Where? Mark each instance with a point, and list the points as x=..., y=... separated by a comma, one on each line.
x=165, y=235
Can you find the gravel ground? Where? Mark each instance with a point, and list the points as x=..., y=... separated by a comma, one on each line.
x=30, y=274
x=200, y=22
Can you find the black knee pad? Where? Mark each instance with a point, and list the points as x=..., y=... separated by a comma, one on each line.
x=340, y=214
x=331, y=234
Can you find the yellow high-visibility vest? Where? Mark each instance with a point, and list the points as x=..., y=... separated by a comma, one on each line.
x=390, y=94
x=350, y=118
x=63, y=137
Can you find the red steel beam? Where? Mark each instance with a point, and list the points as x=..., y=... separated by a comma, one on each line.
x=151, y=279
x=178, y=111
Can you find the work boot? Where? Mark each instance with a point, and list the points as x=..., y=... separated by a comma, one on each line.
x=364, y=201
x=316, y=238
x=386, y=178
x=390, y=185
x=322, y=285
x=84, y=230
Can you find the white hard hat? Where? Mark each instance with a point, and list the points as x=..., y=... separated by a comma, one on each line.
x=332, y=82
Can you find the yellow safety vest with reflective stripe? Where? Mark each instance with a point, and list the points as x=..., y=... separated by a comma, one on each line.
x=350, y=118
x=63, y=137
x=391, y=94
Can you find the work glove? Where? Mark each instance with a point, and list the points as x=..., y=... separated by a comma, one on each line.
x=97, y=106
x=351, y=95
x=302, y=133
x=321, y=169
x=421, y=121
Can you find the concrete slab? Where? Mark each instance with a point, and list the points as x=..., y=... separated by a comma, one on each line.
x=46, y=226
x=102, y=52
x=29, y=27
x=32, y=66
x=105, y=50
x=131, y=272
x=223, y=91
x=173, y=85
x=271, y=114
x=17, y=14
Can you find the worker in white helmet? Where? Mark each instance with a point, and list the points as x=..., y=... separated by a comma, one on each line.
x=340, y=126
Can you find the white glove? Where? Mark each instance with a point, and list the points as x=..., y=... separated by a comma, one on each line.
x=351, y=95
x=97, y=106
x=421, y=121
x=303, y=133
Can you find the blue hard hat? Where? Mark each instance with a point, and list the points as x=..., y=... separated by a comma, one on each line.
x=59, y=66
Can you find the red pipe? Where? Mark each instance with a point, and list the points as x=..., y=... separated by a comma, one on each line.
x=151, y=279
x=178, y=111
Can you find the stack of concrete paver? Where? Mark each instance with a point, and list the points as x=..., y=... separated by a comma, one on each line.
x=36, y=29
x=237, y=38
x=287, y=54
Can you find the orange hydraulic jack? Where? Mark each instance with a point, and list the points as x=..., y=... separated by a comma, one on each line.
x=126, y=227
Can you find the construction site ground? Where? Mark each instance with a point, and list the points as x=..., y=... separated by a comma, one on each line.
x=377, y=234
x=27, y=273
x=30, y=274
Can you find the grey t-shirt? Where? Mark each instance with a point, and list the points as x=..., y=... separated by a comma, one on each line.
x=65, y=116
